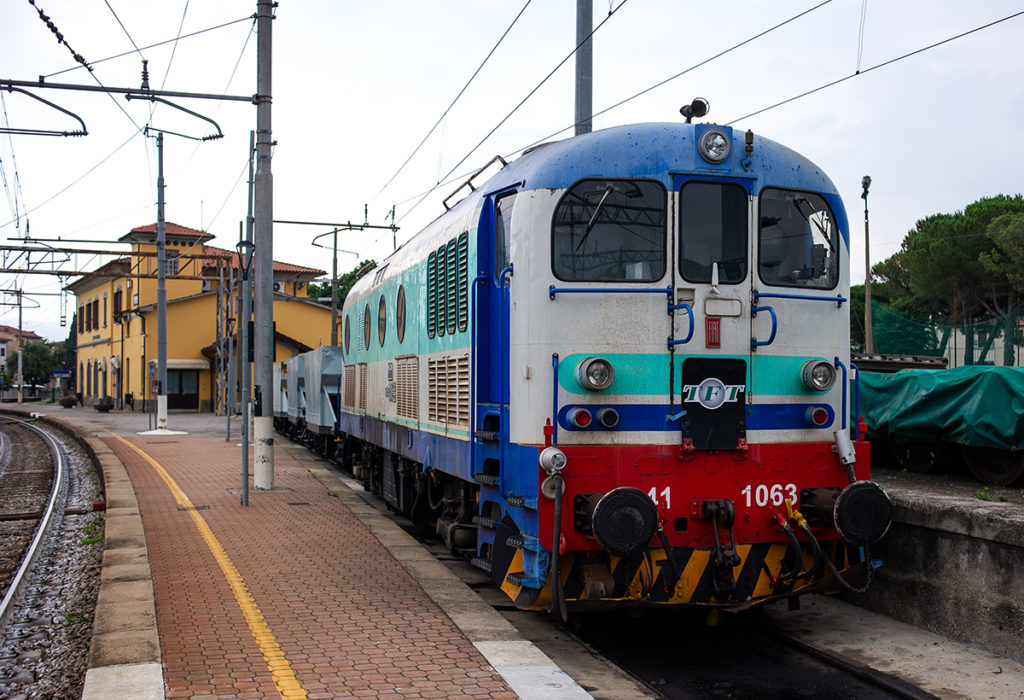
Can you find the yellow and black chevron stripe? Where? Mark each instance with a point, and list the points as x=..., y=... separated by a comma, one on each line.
x=689, y=580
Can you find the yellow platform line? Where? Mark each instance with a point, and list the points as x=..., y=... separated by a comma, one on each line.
x=280, y=670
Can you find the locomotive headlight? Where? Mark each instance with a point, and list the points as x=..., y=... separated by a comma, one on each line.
x=714, y=146
x=595, y=373
x=818, y=375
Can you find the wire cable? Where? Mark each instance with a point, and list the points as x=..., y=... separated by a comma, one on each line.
x=516, y=108
x=75, y=181
x=174, y=49
x=448, y=109
x=682, y=72
x=159, y=43
x=123, y=28
x=877, y=66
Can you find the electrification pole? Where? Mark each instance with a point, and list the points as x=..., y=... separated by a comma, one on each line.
x=21, y=342
x=161, y=291
x=584, y=66
x=334, y=293
x=263, y=421
x=869, y=341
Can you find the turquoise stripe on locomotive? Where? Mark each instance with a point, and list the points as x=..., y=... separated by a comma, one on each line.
x=617, y=372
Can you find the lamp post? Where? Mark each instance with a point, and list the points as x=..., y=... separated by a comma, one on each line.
x=869, y=342
x=244, y=248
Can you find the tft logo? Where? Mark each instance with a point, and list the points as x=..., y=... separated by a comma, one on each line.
x=712, y=393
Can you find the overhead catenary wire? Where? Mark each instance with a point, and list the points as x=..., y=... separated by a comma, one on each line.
x=516, y=108
x=75, y=181
x=159, y=43
x=124, y=28
x=883, y=64
x=463, y=90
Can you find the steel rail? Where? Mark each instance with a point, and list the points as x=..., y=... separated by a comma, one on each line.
x=21, y=577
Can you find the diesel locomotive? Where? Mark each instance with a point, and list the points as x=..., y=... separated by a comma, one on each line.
x=616, y=372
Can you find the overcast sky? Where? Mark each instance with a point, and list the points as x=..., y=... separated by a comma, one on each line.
x=358, y=85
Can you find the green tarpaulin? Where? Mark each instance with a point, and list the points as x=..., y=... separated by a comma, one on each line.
x=973, y=405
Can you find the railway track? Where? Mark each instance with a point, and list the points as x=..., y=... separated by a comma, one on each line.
x=32, y=478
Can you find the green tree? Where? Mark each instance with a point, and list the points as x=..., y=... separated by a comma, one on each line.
x=321, y=291
x=37, y=363
x=962, y=259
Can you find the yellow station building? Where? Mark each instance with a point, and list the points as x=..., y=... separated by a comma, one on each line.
x=117, y=320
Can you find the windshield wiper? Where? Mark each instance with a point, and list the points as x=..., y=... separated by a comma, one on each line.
x=593, y=218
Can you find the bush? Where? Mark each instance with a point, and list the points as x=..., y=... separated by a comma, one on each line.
x=104, y=403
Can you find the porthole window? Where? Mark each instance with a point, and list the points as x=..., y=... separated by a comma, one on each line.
x=366, y=328
x=400, y=314
x=382, y=320
x=348, y=334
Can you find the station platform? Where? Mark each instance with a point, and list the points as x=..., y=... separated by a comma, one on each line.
x=311, y=591
x=308, y=592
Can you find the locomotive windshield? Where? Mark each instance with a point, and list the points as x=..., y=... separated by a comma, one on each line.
x=713, y=229
x=610, y=231
x=798, y=240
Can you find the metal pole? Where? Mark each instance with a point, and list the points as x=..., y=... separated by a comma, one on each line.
x=263, y=422
x=245, y=262
x=161, y=291
x=334, y=293
x=869, y=341
x=584, y=66
x=21, y=342
x=232, y=382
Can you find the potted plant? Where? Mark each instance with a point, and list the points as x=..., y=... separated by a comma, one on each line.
x=68, y=401
x=104, y=404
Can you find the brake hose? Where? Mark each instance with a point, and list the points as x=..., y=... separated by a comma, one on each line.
x=794, y=546
x=557, y=593
x=815, y=549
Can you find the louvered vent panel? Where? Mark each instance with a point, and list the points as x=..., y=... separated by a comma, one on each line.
x=350, y=386
x=448, y=390
x=362, y=386
x=408, y=387
x=432, y=295
x=434, y=367
x=463, y=281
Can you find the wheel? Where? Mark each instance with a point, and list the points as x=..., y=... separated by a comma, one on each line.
x=924, y=457
x=992, y=466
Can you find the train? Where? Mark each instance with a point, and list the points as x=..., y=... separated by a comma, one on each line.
x=616, y=372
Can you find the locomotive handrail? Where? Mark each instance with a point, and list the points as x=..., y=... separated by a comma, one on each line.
x=481, y=277
x=554, y=400
x=469, y=180
x=553, y=290
x=839, y=363
x=838, y=300
x=689, y=314
x=856, y=399
x=775, y=326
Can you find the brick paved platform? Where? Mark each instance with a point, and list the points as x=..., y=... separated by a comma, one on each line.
x=349, y=620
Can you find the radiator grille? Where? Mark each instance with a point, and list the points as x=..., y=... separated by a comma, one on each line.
x=407, y=387
x=448, y=380
x=362, y=386
x=350, y=386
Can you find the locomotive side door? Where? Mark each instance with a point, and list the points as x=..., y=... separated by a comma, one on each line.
x=712, y=275
x=492, y=316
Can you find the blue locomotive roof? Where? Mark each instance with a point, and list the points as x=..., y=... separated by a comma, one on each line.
x=661, y=151
x=658, y=151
